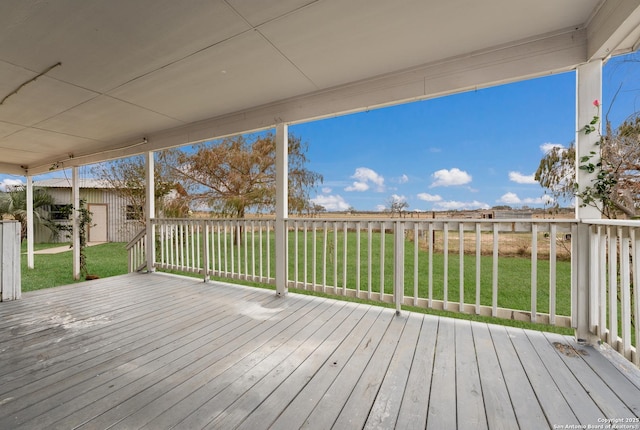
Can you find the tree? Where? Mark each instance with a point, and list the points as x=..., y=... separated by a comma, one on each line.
x=84, y=223
x=126, y=177
x=13, y=204
x=236, y=175
x=397, y=204
x=616, y=165
x=557, y=174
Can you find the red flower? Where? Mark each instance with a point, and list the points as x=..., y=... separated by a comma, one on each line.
x=596, y=103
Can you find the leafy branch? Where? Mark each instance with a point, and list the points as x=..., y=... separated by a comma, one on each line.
x=603, y=185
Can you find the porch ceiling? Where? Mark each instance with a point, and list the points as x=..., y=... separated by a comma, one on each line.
x=175, y=74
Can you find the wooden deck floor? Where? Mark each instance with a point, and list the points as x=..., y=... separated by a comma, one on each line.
x=160, y=351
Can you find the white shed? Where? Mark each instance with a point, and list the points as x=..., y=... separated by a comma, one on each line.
x=113, y=219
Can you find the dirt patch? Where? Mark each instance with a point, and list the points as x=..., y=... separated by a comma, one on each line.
x=569, y=350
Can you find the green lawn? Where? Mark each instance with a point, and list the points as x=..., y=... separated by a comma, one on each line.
x=52, y=270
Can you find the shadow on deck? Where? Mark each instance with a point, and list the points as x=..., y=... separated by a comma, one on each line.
x=161, y=351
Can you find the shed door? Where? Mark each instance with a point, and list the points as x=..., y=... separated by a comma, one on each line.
x=98, y=227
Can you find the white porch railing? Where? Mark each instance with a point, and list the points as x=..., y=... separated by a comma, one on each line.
x=452, y=265
x=614, y=277
x=236, y=249
x=136, y=249
x=513, y=269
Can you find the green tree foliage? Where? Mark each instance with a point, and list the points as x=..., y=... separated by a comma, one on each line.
x=13, y=205
x=616, y=165
x=237, y=175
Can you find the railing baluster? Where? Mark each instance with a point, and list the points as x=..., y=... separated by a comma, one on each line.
x=382, y=259
x=625, y=292
x=613, y=290
x=478, y=264
x=416, y=271
x=206, y=251
x=431, y=240
x=260, y=243
x=226, y=253
x=445, y=269
x=268, y=250
x=358, y=275
x=305, y=226
x=344, y=260
x=195, y=261
x=295, y=254
x=334, y=249
x=602, y=262
x=494, y=273
x=239, y=246
x=552, y=273
x=635, y=243
x=324, y=257
x=253, y=250
x=534, y=272
x=369, y=270
x=314, y=254
x=246, y=249
x=461, y=264
x=398, y=265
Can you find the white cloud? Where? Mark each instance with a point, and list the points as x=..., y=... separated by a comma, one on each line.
x=364, y=178
x=381, y=208
x=429, y=197
x=357, y=186
x=513, y=199
x=331, y=203
x=447, y=178
x=510, y=199
x=455, y=205
x=9, y=182
x=326, y=190
x=403, y=179
x=519, y=178
x=546, y=147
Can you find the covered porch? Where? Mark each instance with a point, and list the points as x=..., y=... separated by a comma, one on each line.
x=164, y=351
x=90, y=83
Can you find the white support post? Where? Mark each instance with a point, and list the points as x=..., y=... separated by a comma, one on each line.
x=30, y=257
x=588, y=89
x=282, y=206
x=150, y=211
x=75, y=219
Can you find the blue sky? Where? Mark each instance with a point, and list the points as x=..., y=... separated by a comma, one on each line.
x=473, y=150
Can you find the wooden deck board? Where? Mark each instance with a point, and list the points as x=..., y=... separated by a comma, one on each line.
x=469, y=396
x=442, y=401
x=163, y=351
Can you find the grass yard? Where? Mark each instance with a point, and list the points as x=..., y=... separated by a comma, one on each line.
x=51, y=270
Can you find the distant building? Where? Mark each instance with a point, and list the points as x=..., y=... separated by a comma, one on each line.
x=113, y=220
x=506, y=214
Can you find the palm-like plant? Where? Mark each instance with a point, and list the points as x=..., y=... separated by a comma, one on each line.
x=13, y=205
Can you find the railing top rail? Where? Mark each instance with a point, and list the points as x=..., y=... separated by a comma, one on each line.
x=613, y=222
x=451, y=220
x=136, y=238
x=160, y=220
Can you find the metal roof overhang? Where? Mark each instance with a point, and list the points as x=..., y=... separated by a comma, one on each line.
x=82, y=82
